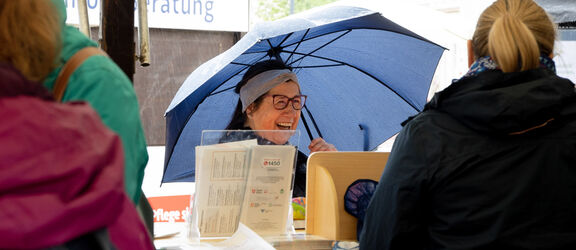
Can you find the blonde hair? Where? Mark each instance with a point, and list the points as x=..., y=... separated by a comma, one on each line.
x=514, y=33
x=30, y=35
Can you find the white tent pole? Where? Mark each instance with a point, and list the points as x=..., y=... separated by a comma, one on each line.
x=83, y=16
x=143, y=33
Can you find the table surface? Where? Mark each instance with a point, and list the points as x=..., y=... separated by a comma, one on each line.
x=172, y=235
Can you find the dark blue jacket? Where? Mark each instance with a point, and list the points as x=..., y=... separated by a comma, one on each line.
x=489, y=164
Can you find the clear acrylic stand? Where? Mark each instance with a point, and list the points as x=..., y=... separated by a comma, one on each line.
x=243, y=176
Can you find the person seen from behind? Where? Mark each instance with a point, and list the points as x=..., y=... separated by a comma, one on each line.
x=100, y=82
x=491, y=161
x=61, y=168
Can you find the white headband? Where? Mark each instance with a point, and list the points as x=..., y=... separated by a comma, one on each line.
x=262, y=83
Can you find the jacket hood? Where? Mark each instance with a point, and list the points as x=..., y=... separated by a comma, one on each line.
x=59, y=178
x=13, y=84
x=502, y=103
x=61, y=7
x=72, y=41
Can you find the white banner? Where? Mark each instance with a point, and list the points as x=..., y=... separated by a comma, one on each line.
x=565, y=59
x=213, y=15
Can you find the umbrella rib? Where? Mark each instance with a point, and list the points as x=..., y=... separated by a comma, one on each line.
x=247, y=64
x=360, y=70
x=226, y=89
x=320, y=47
x=300, y=42
x=211, y=94
x=272, y=48
x=241, y=64
x=319, y=66
x=285, y=38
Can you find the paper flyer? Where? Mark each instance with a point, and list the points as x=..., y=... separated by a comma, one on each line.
x=268, y=195
x=220, y=185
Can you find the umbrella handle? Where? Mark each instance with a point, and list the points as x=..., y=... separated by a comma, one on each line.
x=364, y=128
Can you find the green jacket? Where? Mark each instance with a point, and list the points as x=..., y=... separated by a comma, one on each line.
x=104, y=85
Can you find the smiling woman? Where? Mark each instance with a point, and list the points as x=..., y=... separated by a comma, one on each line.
x=270, y=99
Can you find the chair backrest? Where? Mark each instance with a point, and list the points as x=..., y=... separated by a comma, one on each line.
x=328, y=176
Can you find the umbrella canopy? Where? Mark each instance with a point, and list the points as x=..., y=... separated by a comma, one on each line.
x=363, y=75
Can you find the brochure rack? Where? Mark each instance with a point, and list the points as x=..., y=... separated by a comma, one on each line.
x=243, y=177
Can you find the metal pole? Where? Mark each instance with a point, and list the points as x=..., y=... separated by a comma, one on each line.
x=118, y=34
x=143, y=33
x=291, y=7
x=83, y=16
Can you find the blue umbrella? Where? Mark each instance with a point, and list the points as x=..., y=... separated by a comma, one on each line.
x=363, y=75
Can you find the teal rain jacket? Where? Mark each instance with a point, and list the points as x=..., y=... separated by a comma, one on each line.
x=104, y=85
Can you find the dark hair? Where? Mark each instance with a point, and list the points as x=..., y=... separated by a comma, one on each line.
x=239, y=117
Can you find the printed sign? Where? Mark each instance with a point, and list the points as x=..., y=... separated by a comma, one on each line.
x=170, y=208
x=565, y=59
x=214, y=15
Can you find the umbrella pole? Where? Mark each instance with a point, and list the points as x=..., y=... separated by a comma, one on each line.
x=307, y=128
x=83, y=16
x=314, y=122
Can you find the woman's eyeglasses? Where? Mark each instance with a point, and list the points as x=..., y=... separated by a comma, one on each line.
x=281, y=101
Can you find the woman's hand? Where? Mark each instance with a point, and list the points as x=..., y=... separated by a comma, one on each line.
x=319, y=144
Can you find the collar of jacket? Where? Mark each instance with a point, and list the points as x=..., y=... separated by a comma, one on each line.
x=503, y=103
x=13, y=84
